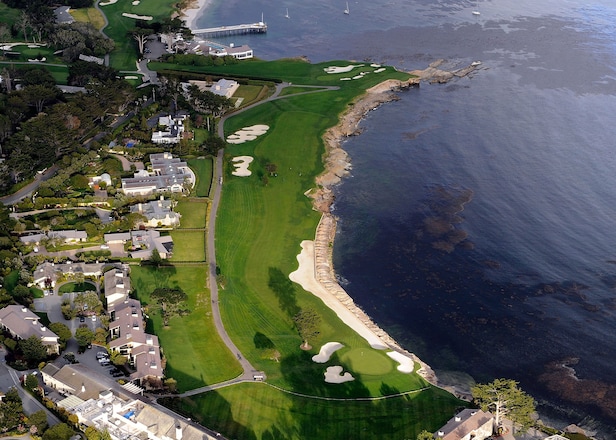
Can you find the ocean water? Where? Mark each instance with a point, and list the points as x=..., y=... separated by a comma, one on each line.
x=478, y=226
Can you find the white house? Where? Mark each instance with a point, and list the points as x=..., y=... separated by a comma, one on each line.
x=173, y=132
x=157, y=213
x=169, y=174
x=22, y=323
x=468, y=424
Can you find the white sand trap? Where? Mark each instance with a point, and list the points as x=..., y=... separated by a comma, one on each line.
x=382, y=69
x=241, y=166
x=137, y=17
x=136, y=2
x=341, y=69
x=334, y=375
x=346, y=79
x=305, y=276
x=358, y=76
x=108, y=2
x=406, y=363
x=247, y=134
x=375, y=65
x=131, y=77
x=326, y=351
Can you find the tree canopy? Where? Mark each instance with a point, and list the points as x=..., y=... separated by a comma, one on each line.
x=504, y=398
x=307, y=322
x=33, y=350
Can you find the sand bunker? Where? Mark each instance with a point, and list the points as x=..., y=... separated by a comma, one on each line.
x=241, y=166
x=406, y=363
x=137, y=17
x=108, y=2
x=382, y=69
x=326, y=351
x=247, y=134
x=136, y=2
x=375, y=65
x=344, y=69
x=334, y=375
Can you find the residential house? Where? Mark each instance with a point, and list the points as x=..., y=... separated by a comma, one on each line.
x=173, y=132
x=116, y=411
x=22, y=323
x=157, y=213
x=69, y=236
x=468, y=424
x=168, y=174
x=47, y=274
x=117, y=289
x=143, y=242
x=128, y=337
x=222, y=87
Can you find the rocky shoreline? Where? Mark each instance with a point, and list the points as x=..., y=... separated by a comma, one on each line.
x=338, y=166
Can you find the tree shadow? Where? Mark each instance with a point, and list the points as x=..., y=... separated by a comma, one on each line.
x=211, y=410
x=284, y=290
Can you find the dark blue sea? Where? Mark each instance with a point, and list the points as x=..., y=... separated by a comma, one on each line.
x=479, y=224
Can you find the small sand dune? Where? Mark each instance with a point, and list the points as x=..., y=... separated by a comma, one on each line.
x=137, y=17
x=247, y=134
x=341, y=69
x=406, y=363
x=334, y=375
x=326, y=351
x=241, y=166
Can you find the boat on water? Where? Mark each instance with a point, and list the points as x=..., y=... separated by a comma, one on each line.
x=347, y=11
x=287, y=14
x=476, y=10
x=476, y=13
x=476, y=63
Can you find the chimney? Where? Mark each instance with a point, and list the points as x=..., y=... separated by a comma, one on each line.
x=458, y=418
x=178, y=432
x=83, y=387
x=441, y=434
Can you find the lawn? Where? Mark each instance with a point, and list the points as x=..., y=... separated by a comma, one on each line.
x=89, y=15
x=193, y=213
x=188, y=245
x=76, y=287
x=257, y=411
x=195, y=354
x=203, y=169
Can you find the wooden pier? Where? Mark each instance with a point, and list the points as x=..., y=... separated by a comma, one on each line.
x=222, y=31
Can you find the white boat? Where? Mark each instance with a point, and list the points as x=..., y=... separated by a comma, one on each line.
x=347, y=11
x=287, y=14
x=476, y=10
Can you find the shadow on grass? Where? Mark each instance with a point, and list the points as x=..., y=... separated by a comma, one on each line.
x=218, y=416
x=284, y=289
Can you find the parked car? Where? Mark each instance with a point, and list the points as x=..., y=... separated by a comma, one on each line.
x=82, y=319
x=102, y=355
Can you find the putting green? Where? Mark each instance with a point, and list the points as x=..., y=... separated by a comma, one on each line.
x=367, y=361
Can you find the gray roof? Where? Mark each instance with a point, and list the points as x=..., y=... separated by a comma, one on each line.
x=24, y=323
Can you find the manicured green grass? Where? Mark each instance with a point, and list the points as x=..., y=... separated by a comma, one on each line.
x=89, y=15
x=369, y=362
x=257, y=411
x=203, y=169
x=76, y=287
x=193, y=213
x=248, y=93
x=195, y=354
x=11, y=280
x=188, y=245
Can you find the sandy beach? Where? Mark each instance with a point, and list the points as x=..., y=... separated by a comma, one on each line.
x=192, y=12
